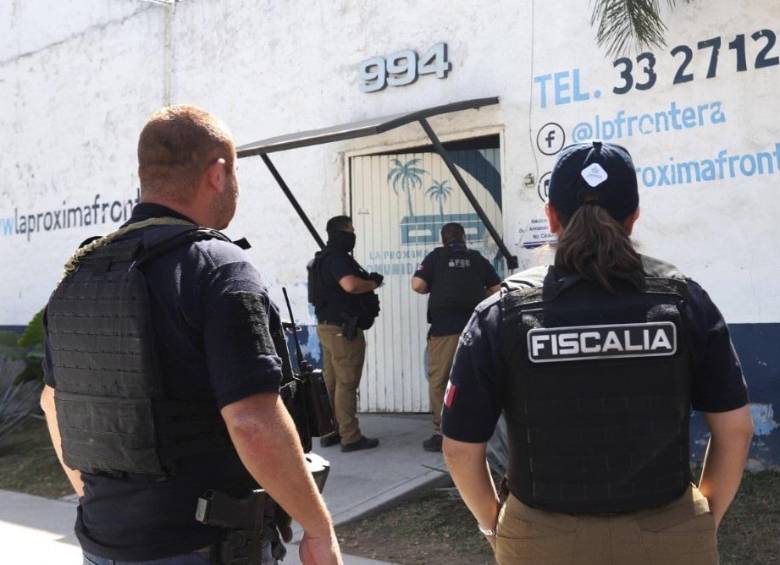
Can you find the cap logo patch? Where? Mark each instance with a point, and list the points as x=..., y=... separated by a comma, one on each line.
x=594, y=175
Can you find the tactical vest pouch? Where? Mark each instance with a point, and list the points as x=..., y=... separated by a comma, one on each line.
x=369, y=310
x=112, y=409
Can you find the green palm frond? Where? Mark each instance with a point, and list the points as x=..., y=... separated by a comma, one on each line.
x=629, y=23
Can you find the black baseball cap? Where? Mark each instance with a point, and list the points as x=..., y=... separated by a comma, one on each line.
x=597, y=172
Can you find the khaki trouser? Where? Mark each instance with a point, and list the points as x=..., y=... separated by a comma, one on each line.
x=343, y=365
x=441, y=350
x=680, y=533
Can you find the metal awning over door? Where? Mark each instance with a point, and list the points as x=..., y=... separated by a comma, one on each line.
x=369, y=127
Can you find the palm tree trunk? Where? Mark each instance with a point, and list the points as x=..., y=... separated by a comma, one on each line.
x=441, y=210
x=409, y=201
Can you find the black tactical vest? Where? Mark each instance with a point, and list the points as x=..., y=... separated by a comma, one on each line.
x=599, y=390
x=315, y=288
x=458, y=281
x=112, y=409
x=326, y=293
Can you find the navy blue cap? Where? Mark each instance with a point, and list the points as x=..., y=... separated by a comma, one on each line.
x=597, y=172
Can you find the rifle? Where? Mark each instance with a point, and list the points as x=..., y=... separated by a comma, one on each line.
x=316, y=401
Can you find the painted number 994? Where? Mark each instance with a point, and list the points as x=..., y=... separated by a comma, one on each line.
x=644, y=78
x=403, y=67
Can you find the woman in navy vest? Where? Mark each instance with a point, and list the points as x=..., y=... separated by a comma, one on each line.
x=596, y=362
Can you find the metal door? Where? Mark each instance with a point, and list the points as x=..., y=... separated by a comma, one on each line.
x=399, y=203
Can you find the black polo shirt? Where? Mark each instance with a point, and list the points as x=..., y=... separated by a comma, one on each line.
x=475, y=397
x=207, y=350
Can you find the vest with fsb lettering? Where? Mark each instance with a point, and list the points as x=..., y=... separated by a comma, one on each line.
x=458, y=280
x=598, y=392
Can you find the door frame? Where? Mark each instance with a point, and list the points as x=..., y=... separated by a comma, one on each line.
x=459, y=135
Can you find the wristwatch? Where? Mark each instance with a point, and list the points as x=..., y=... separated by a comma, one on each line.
x=487, y=532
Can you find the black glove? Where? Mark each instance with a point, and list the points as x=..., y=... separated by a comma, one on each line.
x=377, y=278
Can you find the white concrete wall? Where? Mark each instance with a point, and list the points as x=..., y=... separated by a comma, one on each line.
x=78, y=79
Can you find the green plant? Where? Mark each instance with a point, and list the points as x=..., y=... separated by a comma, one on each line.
x=623, y=23
x=9, y=348
x=31, y=341
x=32, y=336
x=18, y=397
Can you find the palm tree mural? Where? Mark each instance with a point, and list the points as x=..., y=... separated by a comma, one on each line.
x=439, y=191
x=406, y=177
x=624, y=23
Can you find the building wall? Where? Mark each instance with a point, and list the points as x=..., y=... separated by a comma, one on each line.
x=78, y=79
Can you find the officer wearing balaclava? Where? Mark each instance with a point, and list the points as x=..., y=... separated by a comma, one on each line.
x=345, y=305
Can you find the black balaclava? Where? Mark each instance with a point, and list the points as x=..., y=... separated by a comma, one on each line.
x=342, y=240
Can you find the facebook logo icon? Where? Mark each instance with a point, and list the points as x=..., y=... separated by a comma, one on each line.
x=550, y=139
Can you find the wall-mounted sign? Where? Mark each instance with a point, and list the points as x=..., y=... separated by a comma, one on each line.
x=566, y=87
x=551, y=138
x=537, y=234
x=543, y=186
x=403, y=67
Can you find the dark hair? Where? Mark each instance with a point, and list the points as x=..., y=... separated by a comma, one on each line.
x=338, y=223
x=453, y=233
x=596, y=246
x=176, y=146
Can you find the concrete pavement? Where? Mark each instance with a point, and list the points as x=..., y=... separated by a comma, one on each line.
x=35, y=530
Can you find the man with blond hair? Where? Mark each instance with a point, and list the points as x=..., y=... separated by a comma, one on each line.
x=164, y=357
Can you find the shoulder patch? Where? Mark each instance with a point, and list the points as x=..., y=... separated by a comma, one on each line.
x=616, y=341
x=250, y=322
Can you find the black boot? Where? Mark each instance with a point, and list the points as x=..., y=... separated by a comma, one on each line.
x=330, y=439
x=363, y=443
x=433, y=443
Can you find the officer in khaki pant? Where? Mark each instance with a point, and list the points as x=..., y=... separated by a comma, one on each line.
x=596, y=362
x=345, y=304
x=457, y=279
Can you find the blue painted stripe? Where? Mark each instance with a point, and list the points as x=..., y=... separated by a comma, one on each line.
x=757, y=347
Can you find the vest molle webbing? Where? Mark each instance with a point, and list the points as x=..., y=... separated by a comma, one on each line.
x=599, y=395
x=112, y=409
